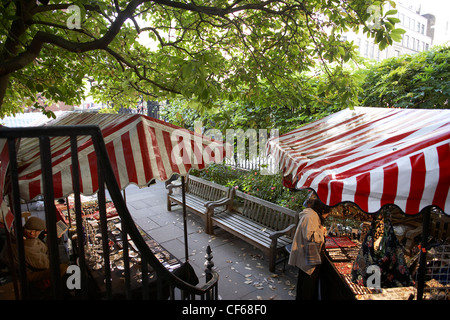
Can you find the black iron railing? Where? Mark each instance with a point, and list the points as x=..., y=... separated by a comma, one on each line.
x=166, y=283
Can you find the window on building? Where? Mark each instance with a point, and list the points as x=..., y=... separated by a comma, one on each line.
x=413, y=24
x=406, y=41
x=413, y=40
x=417, y=45
x=423, y=29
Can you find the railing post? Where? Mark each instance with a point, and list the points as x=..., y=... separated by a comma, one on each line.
x=50, y=216
x=105, y=176
x=423, y=253
x=15, y=206
x=209, y=264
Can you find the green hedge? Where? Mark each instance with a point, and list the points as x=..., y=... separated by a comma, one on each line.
x=267, y=187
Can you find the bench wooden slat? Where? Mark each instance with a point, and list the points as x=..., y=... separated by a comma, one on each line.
x=254, y=220
x=198, y=193
x=258, y=233
x=259, y=222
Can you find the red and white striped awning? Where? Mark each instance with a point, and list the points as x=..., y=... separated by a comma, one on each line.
x=140, y=149
x=371, y=157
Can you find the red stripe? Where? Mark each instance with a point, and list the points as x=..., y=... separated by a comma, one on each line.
x=363, y=191
x=116, y=124
x=443, y=185
x=92, y=159
x=127, y=150
x=145, y=153
x=336, y=188
x=322, y=192
x=112, y=159
x=184, y=154
x=390, y=184
x=57, y=185
x=157, y=153
x=34, y=188
x=418, y=174
x=393, y=156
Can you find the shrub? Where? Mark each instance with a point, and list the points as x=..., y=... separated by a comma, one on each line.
x=266, y=187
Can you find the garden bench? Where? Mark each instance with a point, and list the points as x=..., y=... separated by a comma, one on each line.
x=199, y=193
x=263, y=224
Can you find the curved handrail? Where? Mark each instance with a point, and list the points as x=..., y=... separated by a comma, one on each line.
x=130, y=226
x=114, y=190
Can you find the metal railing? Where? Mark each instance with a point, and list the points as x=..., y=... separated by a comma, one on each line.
x=167, y=284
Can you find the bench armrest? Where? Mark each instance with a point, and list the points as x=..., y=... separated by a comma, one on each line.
x=218, y=203
x=171, y=186
x=277, y=234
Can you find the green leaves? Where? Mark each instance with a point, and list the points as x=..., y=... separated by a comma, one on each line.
x=410, y=81
x=270, y=54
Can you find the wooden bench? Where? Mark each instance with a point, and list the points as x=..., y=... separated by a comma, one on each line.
x=263, y=224
x=199, y=194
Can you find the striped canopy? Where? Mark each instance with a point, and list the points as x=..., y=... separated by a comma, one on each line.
x=371, y=157
x=140, y=149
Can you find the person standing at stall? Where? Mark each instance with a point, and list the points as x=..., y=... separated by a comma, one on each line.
x=308, y=248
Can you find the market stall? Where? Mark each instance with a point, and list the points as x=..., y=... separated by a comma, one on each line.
x=383, y=160
x=140, y=149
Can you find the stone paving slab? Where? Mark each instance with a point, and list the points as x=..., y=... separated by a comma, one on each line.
x=243, y=270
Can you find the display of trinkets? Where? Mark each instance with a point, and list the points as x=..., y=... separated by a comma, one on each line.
x=336, y=254
x=89, y=208
x=356, y=288
x=94, y=247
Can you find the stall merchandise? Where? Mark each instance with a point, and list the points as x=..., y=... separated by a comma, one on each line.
x=89, y=208
x=95, y=258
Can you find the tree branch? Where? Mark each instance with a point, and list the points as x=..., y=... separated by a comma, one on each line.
x=41, y=37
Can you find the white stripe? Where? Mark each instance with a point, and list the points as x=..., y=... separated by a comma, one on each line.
x=151, y=147
x=121, y=163
x=376, y=189
x=85, y=174
x=404, y=181
x=166, y=158
x=432, y=176
x=66, y=180
x=349, y=188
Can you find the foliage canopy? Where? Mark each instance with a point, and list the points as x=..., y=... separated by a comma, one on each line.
x=204, y=50
x=421, y=80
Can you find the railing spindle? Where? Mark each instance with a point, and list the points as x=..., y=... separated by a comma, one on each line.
x=50, y=215
x=78, y=216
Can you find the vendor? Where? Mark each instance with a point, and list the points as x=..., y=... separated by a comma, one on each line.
x=308, y=248
x=36, y=254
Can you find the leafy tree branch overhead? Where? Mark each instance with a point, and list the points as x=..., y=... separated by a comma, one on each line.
x=203, y=50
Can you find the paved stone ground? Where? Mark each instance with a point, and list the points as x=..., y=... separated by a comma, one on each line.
x=244, y=272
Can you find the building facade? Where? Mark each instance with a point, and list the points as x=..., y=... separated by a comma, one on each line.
x=417, y=38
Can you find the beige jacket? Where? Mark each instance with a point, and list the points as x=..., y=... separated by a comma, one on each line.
x=36, y=254
x=309, y=229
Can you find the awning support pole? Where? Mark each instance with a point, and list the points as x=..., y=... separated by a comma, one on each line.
x=423, y=253
x=184, y=218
